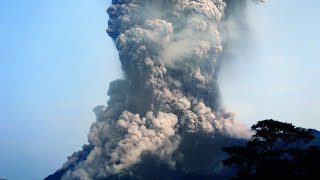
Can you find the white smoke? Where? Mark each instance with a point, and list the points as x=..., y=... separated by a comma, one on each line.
x=170, y=52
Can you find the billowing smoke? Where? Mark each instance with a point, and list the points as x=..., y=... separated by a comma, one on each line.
x=167, y=111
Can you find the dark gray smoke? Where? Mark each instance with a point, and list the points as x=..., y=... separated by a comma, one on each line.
x=167, y=110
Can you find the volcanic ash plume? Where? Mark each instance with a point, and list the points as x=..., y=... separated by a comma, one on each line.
x=167, y=109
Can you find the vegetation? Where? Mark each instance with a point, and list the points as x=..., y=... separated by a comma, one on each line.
x=276, y=150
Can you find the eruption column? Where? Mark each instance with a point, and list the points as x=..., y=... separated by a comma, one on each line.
x=168, y=105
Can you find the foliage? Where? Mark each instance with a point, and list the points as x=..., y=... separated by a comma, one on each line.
x=276, y=150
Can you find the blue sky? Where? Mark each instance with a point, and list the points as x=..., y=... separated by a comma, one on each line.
x=56, y=62
x=279, y=76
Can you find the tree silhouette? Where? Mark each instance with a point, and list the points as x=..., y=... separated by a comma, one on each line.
x=277, y=149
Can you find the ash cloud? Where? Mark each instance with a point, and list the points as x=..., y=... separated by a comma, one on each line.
x=168, y=109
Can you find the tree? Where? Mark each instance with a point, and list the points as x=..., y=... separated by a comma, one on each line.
x=277, y=149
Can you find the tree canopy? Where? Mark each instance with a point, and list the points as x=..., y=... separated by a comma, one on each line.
x=276, y=149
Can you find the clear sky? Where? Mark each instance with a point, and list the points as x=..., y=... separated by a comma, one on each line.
x=279, y=76
x=56, y=62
